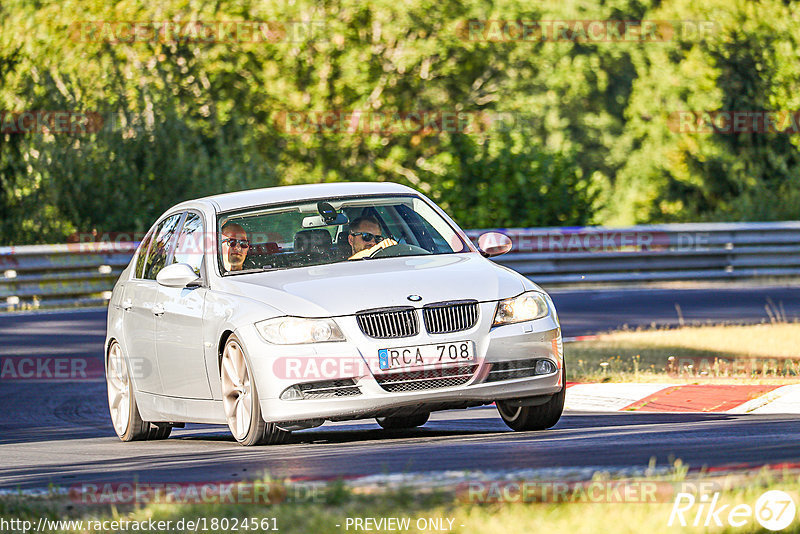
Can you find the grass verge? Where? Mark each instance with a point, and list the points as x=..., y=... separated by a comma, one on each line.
x=602, y=504
x=761, y=353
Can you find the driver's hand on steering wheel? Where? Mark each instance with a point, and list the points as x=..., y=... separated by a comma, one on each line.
x=388, y=242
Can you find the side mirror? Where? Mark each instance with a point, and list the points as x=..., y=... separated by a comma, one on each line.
x=177, y=275
x=494, y=244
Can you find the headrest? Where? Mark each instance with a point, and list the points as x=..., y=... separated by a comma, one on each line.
x=314, y=240
x=264, y=249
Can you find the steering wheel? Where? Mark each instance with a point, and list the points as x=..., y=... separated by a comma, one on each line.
x=400, y=249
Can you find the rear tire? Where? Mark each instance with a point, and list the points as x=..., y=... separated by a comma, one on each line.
x=125, y=417
x=542, y=417
x=398, y=423
x=240, y=400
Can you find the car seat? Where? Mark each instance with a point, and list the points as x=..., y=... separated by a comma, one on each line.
x=315, y=242
x=343, y=248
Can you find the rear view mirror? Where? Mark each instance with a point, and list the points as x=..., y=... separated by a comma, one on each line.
x=316, y=221
x=494, y=244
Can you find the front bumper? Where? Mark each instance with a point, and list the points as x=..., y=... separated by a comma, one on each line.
x=276, y=368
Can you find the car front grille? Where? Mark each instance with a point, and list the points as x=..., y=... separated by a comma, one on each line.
x=427, y=379
x=448, y=317
x=387, y=323
x=329, y=388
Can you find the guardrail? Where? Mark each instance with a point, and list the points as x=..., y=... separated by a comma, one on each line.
x=714, y=251
x=48, y=276
x=80, y=274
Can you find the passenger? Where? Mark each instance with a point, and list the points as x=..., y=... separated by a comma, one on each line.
x=234, y=247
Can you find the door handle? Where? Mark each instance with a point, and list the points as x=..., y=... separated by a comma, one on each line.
x=127, y=305
x=158, y=310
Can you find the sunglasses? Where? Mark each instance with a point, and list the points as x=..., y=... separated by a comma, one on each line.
x=232, y=242
x=366, y=236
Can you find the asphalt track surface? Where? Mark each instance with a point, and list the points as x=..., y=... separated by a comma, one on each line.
x=60, y=432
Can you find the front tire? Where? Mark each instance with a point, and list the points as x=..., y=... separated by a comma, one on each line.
x=240, y=400
x=541, y=417
x=127, y=421
x=399, y=423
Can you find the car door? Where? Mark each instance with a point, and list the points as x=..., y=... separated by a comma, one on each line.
x=138, y=304
x=179, y=328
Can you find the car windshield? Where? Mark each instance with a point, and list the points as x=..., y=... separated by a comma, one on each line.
x=332, y=230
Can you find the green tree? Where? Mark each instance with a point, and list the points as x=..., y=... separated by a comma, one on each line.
x=749, y=62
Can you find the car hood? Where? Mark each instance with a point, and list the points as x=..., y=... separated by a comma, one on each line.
x=347, y=287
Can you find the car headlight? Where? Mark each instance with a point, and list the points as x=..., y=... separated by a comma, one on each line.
x=296, y=330
x=526, y=307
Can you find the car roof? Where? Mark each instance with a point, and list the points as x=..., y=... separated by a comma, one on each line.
x=289, y=193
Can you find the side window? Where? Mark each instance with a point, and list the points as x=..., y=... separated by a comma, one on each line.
x=189, y=247
x=141, y=254
x=388, y=216
x=426, y=232
x=163, y=244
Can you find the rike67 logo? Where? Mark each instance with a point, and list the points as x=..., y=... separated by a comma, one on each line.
x=774, y=510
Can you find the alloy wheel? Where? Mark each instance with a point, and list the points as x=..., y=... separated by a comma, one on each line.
x=119, y=389
x=236, y=390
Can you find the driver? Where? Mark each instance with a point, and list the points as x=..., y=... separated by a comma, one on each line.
x=366, y=237
x=234, y=246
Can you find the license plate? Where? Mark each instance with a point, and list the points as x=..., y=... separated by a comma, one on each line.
x=422, y=355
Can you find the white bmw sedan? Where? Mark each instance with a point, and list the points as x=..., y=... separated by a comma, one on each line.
x=277, y=309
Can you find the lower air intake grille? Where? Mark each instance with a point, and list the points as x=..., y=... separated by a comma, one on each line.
x=428, y=379
x=329, y=389
x=511, y=370
x=387, y=323
x=447, y=317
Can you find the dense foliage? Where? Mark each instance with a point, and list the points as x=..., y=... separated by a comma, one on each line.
x=591, y=140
